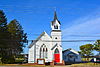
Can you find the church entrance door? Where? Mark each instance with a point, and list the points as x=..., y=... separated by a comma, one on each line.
x=56, y=56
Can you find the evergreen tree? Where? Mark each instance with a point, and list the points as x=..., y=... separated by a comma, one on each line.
x=12, y=39
x=4, y=34
x=4, y=38
x=18, y=37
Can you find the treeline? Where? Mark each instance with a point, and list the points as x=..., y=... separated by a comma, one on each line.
x=12, y=39
x=87, y=49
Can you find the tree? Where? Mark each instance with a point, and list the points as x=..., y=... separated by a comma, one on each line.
x=97, y=46
x=3, y=29
x=4, y=37
x=4, y=34
x=12, y=39
x=18, y=37
x=86, y=50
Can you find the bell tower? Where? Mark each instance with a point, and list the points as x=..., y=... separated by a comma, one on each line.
x=56, y=39
x=56, y=31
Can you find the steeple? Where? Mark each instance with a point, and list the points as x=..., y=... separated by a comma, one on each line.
x=55, y=24
x=56, y=36
x=55, y=16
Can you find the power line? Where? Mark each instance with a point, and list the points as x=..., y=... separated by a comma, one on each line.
x=71, y=35
x=64, y=40
x=52, y=40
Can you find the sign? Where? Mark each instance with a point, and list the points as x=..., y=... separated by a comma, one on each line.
x=41, y=61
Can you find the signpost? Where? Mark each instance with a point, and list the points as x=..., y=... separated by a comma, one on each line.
x=41, y=61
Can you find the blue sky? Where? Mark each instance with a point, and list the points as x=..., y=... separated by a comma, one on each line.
x=80, y=19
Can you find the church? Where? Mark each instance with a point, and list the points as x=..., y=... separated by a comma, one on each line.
x=47, y=47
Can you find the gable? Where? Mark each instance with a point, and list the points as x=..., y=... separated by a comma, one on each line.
x=43, y=37
x=56, y=21
x=54, y=47
x=70, y=51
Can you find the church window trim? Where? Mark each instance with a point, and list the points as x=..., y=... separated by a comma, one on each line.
x=43, y=51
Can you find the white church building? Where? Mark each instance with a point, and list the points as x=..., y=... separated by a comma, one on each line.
x=47, y=47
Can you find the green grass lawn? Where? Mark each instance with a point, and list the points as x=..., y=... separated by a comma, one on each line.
x=19, y=65
x=86, y=65
x=73, y=65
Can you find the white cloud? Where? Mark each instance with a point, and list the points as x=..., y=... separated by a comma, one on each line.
x=88, y=26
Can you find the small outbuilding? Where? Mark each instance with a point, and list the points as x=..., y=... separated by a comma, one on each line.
x=70, y=55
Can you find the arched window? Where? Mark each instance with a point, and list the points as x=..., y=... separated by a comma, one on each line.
x=43, y=51
x=46, y=53
x=55, y=27
x=56, y=51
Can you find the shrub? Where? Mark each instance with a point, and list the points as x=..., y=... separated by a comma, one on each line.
x=8, y=59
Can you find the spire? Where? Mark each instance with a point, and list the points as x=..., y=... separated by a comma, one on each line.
x=55, y=16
